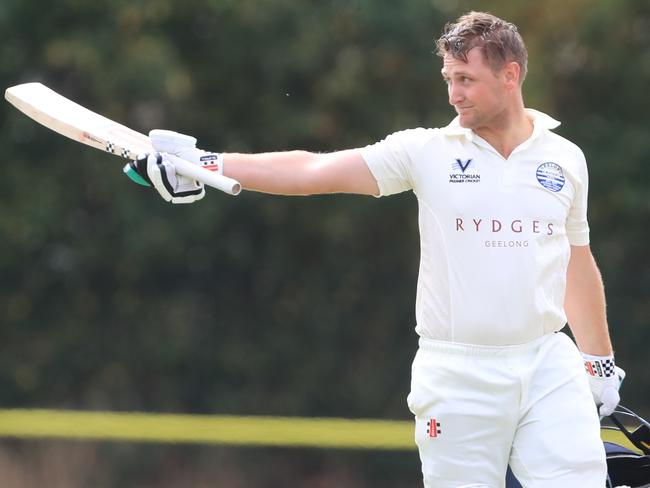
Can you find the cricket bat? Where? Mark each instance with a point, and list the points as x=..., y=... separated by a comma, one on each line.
x=72, y=120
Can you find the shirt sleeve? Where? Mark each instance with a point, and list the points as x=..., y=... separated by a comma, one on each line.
x=390, y=161
x=577, y=226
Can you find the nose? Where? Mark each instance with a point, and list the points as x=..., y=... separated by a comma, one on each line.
x=455, y=93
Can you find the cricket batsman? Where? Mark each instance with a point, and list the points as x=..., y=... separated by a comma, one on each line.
x=505, y=263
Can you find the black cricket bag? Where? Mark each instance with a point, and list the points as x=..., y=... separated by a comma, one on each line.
x=627, y=443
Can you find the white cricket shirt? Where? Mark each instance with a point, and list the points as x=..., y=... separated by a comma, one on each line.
x=494, y=232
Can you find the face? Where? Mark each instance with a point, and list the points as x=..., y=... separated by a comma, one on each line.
x=476, y=92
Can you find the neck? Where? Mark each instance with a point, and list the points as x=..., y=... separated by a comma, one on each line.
x=507, y=130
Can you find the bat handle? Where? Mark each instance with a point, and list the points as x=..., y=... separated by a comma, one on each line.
x=205, y=176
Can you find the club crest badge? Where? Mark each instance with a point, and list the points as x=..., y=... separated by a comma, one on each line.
x=551, y=176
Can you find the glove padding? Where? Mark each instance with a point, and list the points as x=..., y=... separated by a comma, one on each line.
x=160, y=173
x=605, y=379
x=157, y=169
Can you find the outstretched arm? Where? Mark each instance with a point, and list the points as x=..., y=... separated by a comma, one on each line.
x=283, y=173
x=302, y=172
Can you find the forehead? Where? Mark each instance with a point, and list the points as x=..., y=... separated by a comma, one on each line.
x=475, y=63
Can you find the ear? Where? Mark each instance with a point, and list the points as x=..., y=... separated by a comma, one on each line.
x=511, y=74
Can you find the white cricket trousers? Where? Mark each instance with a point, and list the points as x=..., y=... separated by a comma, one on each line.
x=479, y=408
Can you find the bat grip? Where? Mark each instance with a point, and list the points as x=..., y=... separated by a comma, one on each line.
x=205, y=176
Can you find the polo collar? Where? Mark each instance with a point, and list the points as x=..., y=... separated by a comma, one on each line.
x=540, y=121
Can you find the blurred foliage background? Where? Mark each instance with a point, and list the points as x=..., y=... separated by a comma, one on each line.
x=111, y=299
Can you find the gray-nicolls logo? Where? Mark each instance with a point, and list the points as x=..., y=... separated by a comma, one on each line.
x=433, y=428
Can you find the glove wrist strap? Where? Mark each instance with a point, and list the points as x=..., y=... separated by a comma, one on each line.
x=599, y=366
x=212, y=161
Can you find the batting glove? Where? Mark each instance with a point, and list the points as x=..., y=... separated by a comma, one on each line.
x=605, y=379
x=155, y=169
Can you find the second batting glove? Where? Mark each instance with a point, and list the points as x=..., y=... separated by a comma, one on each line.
x=604, y=380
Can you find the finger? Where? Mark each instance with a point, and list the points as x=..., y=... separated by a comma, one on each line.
x=159, y=176
x=610, y=399
x=606, y=410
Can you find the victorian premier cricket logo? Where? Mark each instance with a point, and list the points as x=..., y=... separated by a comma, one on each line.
x=463, y=171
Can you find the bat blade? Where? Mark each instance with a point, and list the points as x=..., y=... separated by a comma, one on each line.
x=76, y=122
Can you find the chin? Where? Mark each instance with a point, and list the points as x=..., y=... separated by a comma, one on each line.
x=467, y=122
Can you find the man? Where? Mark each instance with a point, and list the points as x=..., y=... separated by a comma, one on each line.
x=505, y=261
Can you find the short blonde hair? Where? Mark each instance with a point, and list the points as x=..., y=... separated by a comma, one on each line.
x=500, y=42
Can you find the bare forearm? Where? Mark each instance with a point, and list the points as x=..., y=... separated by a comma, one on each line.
x=301, y=172
x=282, y=173
x=585, y=304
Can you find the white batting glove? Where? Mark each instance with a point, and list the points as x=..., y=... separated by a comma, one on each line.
x=604, y=380
x=158, y=168
x=184, y=147
x=183, y=189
